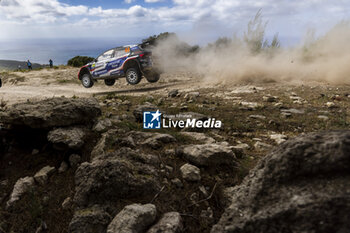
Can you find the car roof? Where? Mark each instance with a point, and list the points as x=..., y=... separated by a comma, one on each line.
x=125, y=46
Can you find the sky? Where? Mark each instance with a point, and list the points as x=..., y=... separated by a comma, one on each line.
x=196, y=21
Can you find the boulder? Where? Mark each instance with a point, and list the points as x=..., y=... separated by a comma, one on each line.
x=156, y=140
x=135, y=218
x=301, y=186
x=121, y=174
x=42, y=176
x=103, y=125
x=90, y=220
x=72, y=137
x=201, y=137
x=54, y=112
x=22, y=186
x=190, y=172
x=170, y=223
x=262, y=146
x=208, y=154
x=250, y=105
x=278, y=138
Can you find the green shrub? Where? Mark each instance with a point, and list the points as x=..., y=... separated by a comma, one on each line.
x=79, y=61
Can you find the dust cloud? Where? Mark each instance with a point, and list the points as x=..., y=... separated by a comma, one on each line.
x=254, y=59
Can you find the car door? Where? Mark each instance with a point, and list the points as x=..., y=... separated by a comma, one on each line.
x=115, y=65
x=100, y=66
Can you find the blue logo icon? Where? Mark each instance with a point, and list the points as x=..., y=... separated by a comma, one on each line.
x=151, y=120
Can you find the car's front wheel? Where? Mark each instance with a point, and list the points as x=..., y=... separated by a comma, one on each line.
x=109, y=82
x=87, y=81
x=133, y=76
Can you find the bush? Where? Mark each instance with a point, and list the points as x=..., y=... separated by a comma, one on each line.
x=79, y=61
x=254, y=37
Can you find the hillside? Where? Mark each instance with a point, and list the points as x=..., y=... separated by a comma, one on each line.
x=12, y=65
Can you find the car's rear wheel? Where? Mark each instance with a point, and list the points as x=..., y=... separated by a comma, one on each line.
x=153, y=78
x=133, y=76
x=109, y=82
x=87, y=81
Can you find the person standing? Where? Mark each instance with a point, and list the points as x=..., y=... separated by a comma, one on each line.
x=29, y=64
x=51, y=63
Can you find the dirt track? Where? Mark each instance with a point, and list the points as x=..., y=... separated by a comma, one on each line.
x=20, y=86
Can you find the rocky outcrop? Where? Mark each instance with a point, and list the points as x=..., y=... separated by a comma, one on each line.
x=133, y=218
x=110, y=140
x=22, y=186
x=54, y=112
x=208, y=154
x=115, y=175
x=71, y=137
x=170, y=223
x=302, y=186
x=91, y=220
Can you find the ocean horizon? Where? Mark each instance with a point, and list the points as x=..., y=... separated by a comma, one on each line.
x=59, y=50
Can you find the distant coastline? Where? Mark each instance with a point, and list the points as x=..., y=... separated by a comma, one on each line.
x=14, y=65
x=59, y=50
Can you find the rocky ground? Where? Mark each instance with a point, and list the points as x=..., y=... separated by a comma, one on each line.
x=87, y=165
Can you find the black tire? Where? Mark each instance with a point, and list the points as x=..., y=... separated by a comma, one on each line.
x=153, y=78
x=133, y=76
x=87, y=81
x=0, y=82
x=109, y=82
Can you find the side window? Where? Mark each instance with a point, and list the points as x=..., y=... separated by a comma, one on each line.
x=122, y=52
x=107, y=55
x=136, y=50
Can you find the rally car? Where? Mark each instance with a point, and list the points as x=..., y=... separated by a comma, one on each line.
x=131, y=62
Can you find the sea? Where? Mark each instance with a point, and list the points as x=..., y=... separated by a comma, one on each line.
x=59, y=50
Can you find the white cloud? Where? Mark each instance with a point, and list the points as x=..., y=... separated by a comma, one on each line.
x=207, y=16
x=153, y=1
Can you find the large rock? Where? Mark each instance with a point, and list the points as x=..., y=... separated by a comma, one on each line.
x=170, y=223
x=302, y=186
x=72, y=137
x=43, y=175
x=111, y=176
x=208, y=154
x=133, y=218
x=157, y=140
x=190, y=172
x=201, y=137
x=54, y=112
x=22, y=186
x=90, y=220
